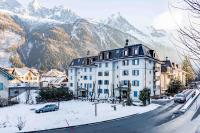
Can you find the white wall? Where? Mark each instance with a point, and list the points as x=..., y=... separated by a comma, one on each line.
x=4, y=92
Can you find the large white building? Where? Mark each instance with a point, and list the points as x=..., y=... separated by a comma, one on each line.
x=113, y=69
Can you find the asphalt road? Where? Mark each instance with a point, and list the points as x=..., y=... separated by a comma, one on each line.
x=139, y=123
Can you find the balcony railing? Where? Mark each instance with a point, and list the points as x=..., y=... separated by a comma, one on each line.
x=23, y=85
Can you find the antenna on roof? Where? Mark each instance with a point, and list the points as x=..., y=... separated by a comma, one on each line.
x=126, y=42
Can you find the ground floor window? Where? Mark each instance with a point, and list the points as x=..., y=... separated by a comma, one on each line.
x=1, y=86
x=90, y=93
x=71, y=84
x=105, y=91
x=99, y=90
x=135, y=93
x=90, y=85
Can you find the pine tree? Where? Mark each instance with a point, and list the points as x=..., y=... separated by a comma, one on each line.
x=175, y=86
x=145, y=96
x=187, y=67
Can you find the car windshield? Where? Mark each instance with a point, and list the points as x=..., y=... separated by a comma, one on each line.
x=179, y=95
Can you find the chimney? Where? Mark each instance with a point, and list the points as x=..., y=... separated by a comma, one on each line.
x=166, y=58
x=88, y=53
x=126, y=44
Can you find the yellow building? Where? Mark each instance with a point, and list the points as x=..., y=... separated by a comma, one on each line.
x=27, y=76
x=169, y=71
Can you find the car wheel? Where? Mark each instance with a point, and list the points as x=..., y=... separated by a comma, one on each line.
x=40, y=111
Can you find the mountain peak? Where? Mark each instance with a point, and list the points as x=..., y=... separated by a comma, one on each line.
x=116, y=18
x=36, y=4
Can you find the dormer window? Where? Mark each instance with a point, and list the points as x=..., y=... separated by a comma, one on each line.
x=107, y=55
x=135, y=51
x=117, y=51
x=126, y=52
x=101, y=56
x=88, y=61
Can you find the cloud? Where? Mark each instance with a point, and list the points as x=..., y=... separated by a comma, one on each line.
x=169, y=20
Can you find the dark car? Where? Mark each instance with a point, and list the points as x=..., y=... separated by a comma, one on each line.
x=47, y=108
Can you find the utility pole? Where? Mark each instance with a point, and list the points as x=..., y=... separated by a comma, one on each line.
x=95, y=108
x=145, y=74
x=87, y=93
x=77, y=87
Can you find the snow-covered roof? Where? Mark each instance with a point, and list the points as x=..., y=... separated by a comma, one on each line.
x=6, y=74
x=21, y=71
x=58, y=80
x=53, y=80
x=54, y=73
x=25, y=70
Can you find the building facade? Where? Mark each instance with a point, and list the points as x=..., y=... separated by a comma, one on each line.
x=109, y=73
x=169, y=71
x=53, y=78
x=24, y=77
x=5, y=77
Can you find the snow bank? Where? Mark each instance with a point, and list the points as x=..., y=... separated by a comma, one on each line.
x=72, y=112
x=190, y=101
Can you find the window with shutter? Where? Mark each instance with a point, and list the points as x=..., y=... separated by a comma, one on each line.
x=1, y=86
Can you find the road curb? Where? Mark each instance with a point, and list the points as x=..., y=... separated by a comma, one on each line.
x=193, y=101
x=94, y=123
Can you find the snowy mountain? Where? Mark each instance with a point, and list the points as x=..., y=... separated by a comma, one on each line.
x=119, y=22
x=158, y=39
x=50, y=38
x=58, y=13
x=11, y=5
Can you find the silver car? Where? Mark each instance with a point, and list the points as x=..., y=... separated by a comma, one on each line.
x=180, y=98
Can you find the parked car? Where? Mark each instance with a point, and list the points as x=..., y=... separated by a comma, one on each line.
x=180, y=98
x=47, y=108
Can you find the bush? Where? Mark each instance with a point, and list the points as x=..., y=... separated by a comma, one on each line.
x=145, y=96
x=54, y=95
x=3, y=102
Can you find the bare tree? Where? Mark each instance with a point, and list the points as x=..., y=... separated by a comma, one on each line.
x=93, y=91
x=189, y=34
x=20, y=123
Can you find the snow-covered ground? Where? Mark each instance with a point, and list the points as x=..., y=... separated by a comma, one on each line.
x=72, y=112
x=190, y=101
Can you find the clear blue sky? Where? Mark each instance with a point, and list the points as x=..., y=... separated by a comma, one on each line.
x=139, y=12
